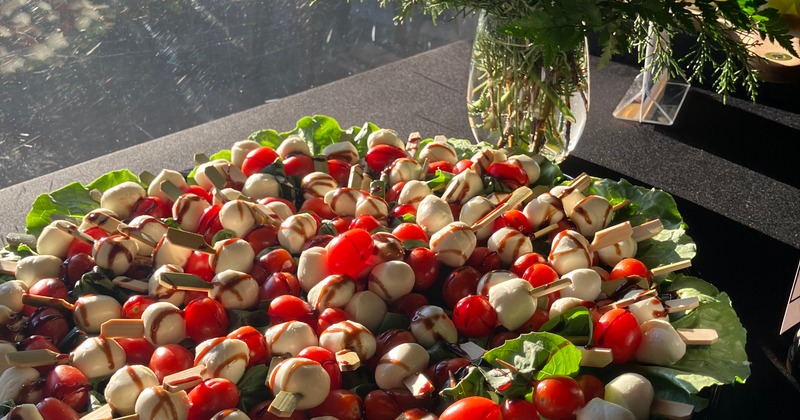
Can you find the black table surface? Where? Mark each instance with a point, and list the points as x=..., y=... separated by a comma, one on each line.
x=729, y=166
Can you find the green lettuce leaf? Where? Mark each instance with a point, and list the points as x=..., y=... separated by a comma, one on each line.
x=72, y=200
x=465, y=149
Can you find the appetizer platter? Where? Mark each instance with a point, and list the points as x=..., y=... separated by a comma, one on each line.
x=355, y=273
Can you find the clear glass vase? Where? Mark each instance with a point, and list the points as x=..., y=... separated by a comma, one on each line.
x=513, y=99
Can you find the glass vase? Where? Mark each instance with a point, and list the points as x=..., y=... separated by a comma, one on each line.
x=513, y=99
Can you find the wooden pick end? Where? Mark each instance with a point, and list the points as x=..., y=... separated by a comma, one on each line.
x=215, y=177
x=647, y=230
x=511, y=368
x=146, y=177
x=201, y=158
x=134, y=285
x=36, y=358
x=184, y=281
x=624, y=303
x=620, y=205
x=669, y=268
x=189, y=240
x=284, y=404
x=671, y=410
x=8, y=267
x=356, y=177
x=35, y=300
x=104, y=221
x=137, y=235
x=472, y=350
x=611, y=235
x=581, y=182
x=71, y=229
x=544, y=231
x=519, y=195
x=348, y=360
x=171, y=190
x=104, y=412
x=680, y=305
x=596, y=357
x=185, y=379
x=698, y=336
x=122, y=328
x=366, y=181
x=550, y=287
x=273, y=363
x=96, y=195
x=419, y=385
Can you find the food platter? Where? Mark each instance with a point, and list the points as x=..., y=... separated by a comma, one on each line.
x=321, y=132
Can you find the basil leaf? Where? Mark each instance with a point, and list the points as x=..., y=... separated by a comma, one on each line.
x=97, y=282
x=269, y=138
x=394, y=321
x=359, y=136
x=472, y=385
x=575, y=322
x=440, y=178
x=319, y=131
x=539, y=354
x=252, y=387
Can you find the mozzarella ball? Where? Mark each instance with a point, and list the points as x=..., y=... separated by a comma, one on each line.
x=463, y=186
x=229, y=194
x=591, y=215
x=399, y=363
x=367, y=308
x=509, y=244
x=585, y=284
x=454, y=244
x=312, y=267
x=260, y=185
x=239, y=216
x=168, y=253
x=475, y=209
x=303, y=377
x=234, y=290
x=373, y=206
x=20, y=384
x=223, y=357
x=384, y=136
x=544, y=211
x=481, y=160
x=115, y=253
x=661, y=344
x=413, y=192
x=562, y=305
x=513, y=302
x=343, y=201
x=391, y=280
x=156, y=403
x=433, y=214
x=344, y=151
x=404, y=169
x=187, y=211
x=569, y=251
x=175, y=177
x=289, y=338
x=5, y=348
x=430, y=324
x=232, y=254
x=98, y=356
x=276, y=209
x=631, y=391
x=37, y=267
x=232, y=174
x=165, y=294
x=647, y=309
x=600, y=409
x=527, y=164
x=295, y=231
x=125, y=386
x=437, y=151
x=615, y=253
x=121, y=198
x=240, y=150
x=54, y=241
x=317, y=184
x=96, y=217
x=496, y=197
x=24, y=412
x=11, y=293
x=569, y=196
x=493, y=278
x=91, y=311
x=151, y=227
x=333, y=291
x=349, y=335
x=163, y=324
x=292, y=145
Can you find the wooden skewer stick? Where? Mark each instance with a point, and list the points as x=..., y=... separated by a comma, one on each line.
x=551, y=287
x=581, y=182
x=8, y=267
x=472, y=350
x=669, y=268
x=506, y=365
x=508, y=203
x=610, y=236
x=35, y=358
x=284, y=404
x=620, y=205
x=171, y=190
x=424, y=169
x=671, y=410
x=366, y=181
x=122, y=328
x=189, y=240
x=647, y=230
x=201, y=158
x=184, y=379
x=58, y=303
x=71, y=229
x=413, y=143
x=356, y=176
x=419, y=385
x=133, y=416
x=452, y=187
x=104, y=412
x=184, y=281
x=596, y=357
x=680, y=305
x=146, y=177
x=544, y=231
x=113, y=225
x=698, y=336
x=16, y=239
x=347, y=360
x=623, y=303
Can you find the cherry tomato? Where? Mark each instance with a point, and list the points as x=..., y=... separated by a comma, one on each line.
x=366, y=222
x=342, y=224
x=261, y=412
x=262, y=237
x=558, y=397
x=341, y=404
x=425, y=265
x=317, y=240
x=513, y=219
x=484, y=260
x=540, y=274
x=619, y=331
x=151, y=206
x=461, y=282
x=205, y=318
x=408, y=304
x=329, y=317
x=259, y=351
x=474, y=316
x=77, y=246
x=291, y=308
x=318, y=206
x=526, y=260
x=209, y=224
x=257, y=159
x=349, y=252
x=508, y=174
x=535, y=322
x=75, y=267
x=298, y=165
x=46, y=287
x=212, y=396
x=138, y=351
x=392, y=194
x=477, y=408
x=198, y=191
x=327, y=360
x=518, y=409
x=417, y=414
x=169, y=359
x=398, y=212
x=53, y=408
x=278, y=260
x=279, y=284
x=199, y=265
x=462, y=165
x=49, y=322
x=39, y=342
x=380, y=156
x=339, y=170
x=440, y=373
x=440, y=165
x=628, y=267
x=592, y=386
x=410, y=232
x=500, y=338
x=388, y=404
x=68, y=384
x=135, y=305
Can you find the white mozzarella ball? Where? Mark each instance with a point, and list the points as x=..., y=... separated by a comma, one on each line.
x=187, y=211
x=260, y=185
x=615, y=253
x=373, y=206
x=232, y=175
x=312, y=267
x=115, y=253
x=493, y=278
x=453, y=244
x=527, y=164
x=91, y=311
x=591, y=215
x=513, y=302
x=391, y=280
x=543, y=211
x=240, y=150
x=229, y=194
x=223, y=357
x=163, y=324
x=600, y=409
x=569, y=196
x=481, y=160
x=632, y=391
x=585, y=284
x=96, y=217
x=5, y=348
x=661, y=344
x=125, y=386
x=384, y=136
x=121, y=198
x=234, y=290
x=232, y=254
x=175, y=177
x=569, y=251
x=19, y=385
x=295, y=231
x=437, y=151
x=562, y=305
x=289, y=338
x=413, y=192
x=333, y=291
x=276, y=209
x=433, y=214
x=24, y=412
x=165, y=294
x=54, y=241
x=349, y=335
x=404, y=169
x=11, y=293
x=37, y=267
x=157, y=403
x=509, y=244
x=344, y=151
x=399, y=363
x=239, y=216
x=430, y=324
x=292, y=145
x=475, y=209
x=367, y=308
x=647, y=309
x=303, y=377
x=343, y=201
x=317, y=184
x=462, y=187
x=151, y=227
x=98, y=356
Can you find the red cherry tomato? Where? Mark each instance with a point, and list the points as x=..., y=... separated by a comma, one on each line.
x=366, y=222
x=592, y=386
x=535, y=322
x=440, y=165
x=619, y=331
x=349, y=252
x=298, y=165
x=425, y=265
x=410, y=232
x=339, y=170
x=342, y=224
x=526, y=260
x=278, y=260
x=392, y=194
x=500, y=338
x=151, y=206
x=477, y=408
x=341, y=404
x=318, y=206
x=75, y=267
x=209, y=223
x=78, y=246
x=329, y=317
x=518, y=409
x=170, y=359
x=212, y=396
x=513, y=219
x=474, y=316
x=327, y=360
x=380, y=156
x=53, y=408
x=279, y=284
x=317, y=240
x=628, y=267
x=540, y=274
x=205, y=318
x=408, y=304
x=46, y=287
x=388, y=404
x=402, y=210
x=259, y=351
x=440, y=373
x=484, y=260
x=68, y=384
x=508, y=174
x=262, y=237
x=558, y=397
x=291, y=308
x=462, y=165
x=49, y=322
x=461, y=282
x=138, y=351
x=198, y=191
x=257, y=159
x=199, y=265
x=135, y=305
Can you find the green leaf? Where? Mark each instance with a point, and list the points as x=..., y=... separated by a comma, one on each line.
x=72, y=200
x=319, y=131
x=472, y=385
x=550, y=174
x=576, y=322
x=269, y=138
x=539, y=354
x=394, y=321
x=252, y=387
x=222, y=235
x=239, y=318
x=415, y=243
x=465, y=149
x=440, y=178
x=97, y=282
x=359, y=136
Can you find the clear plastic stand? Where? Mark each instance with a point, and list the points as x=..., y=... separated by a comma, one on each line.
x=653, y=100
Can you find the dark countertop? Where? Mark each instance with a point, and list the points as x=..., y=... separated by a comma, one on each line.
x=728, y=167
